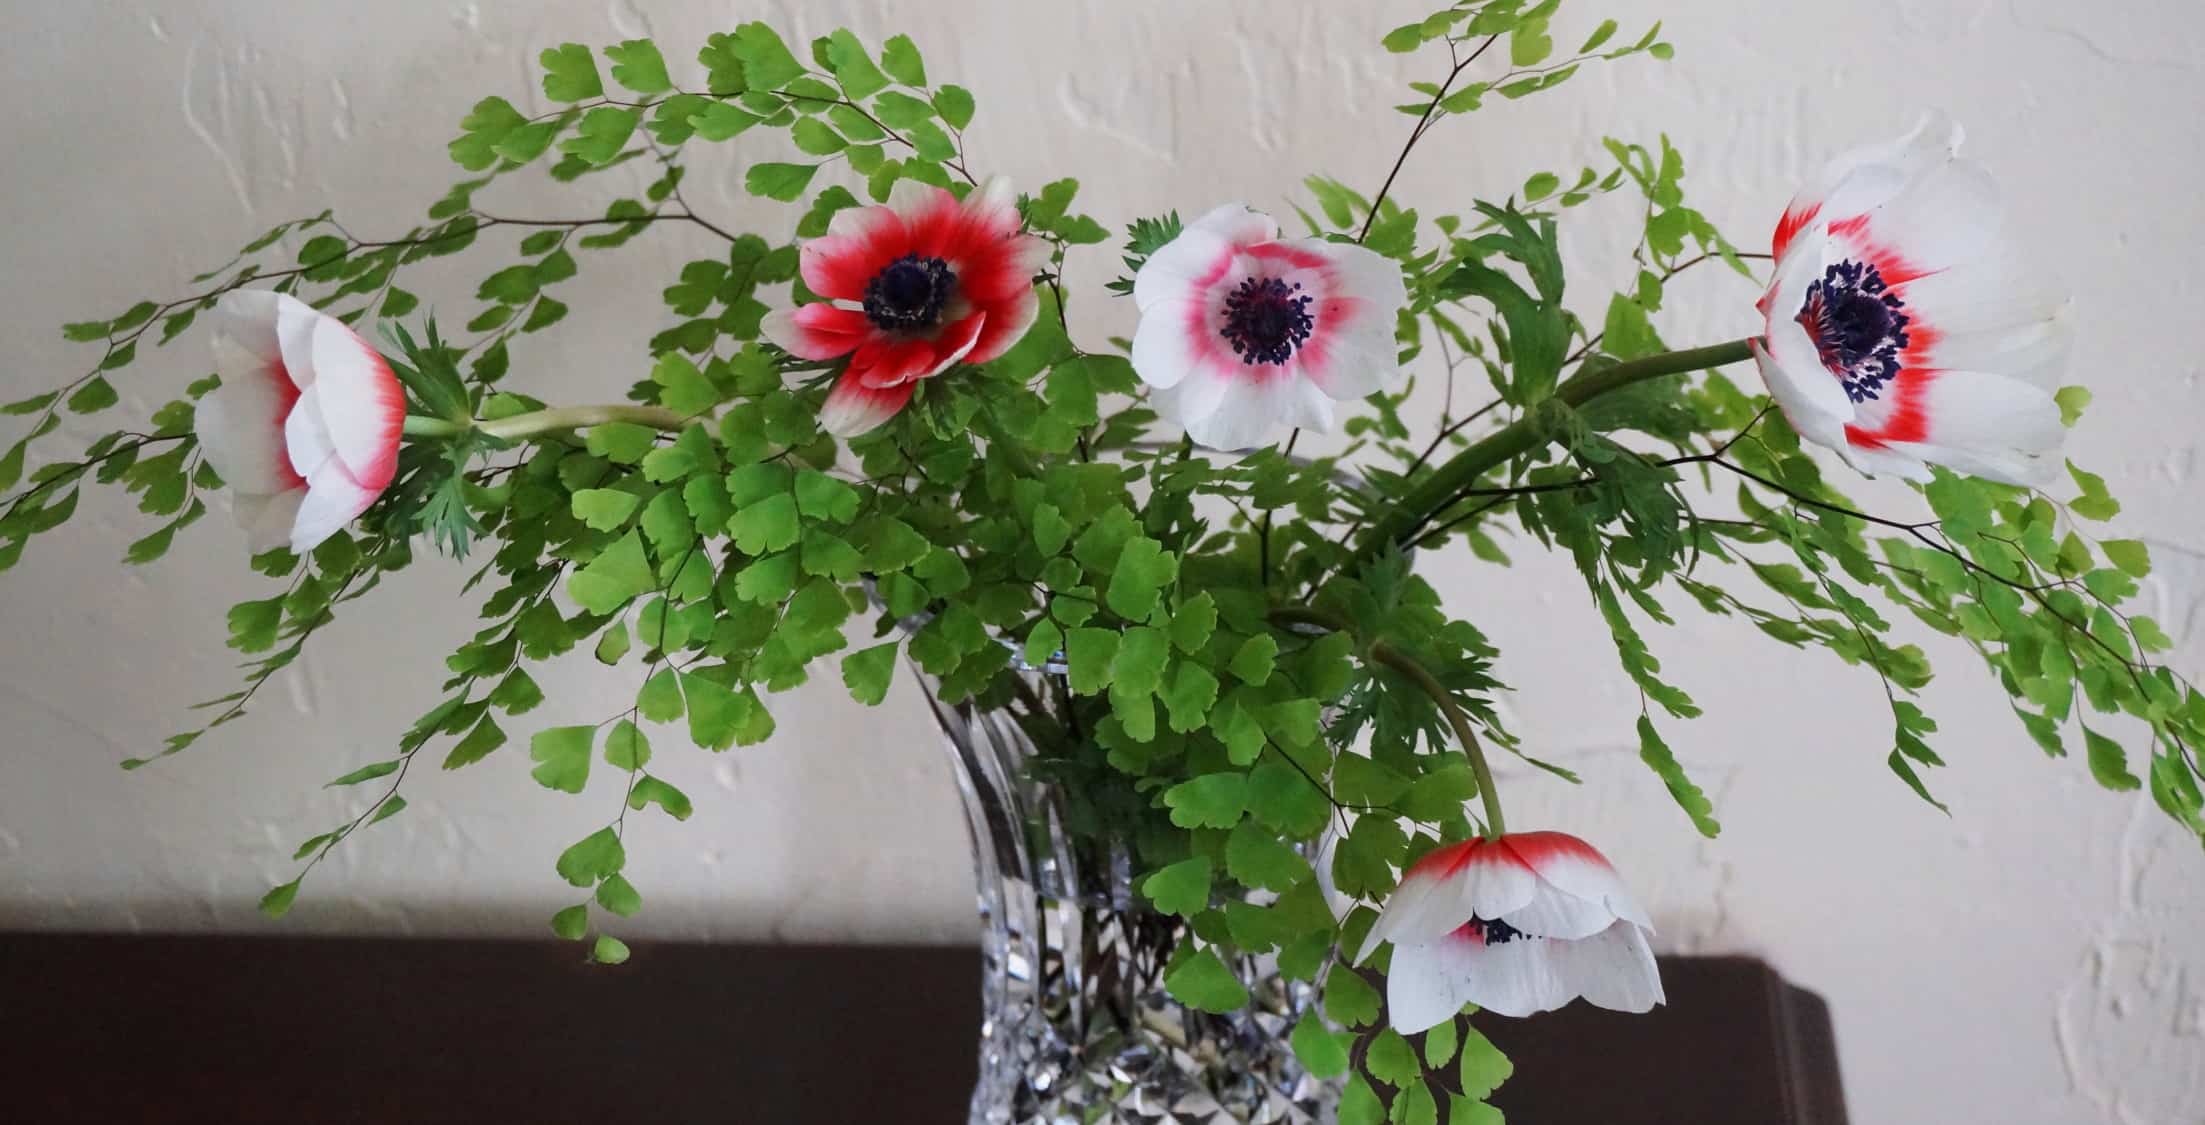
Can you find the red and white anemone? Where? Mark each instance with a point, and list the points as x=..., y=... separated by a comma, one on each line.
x=912, y=288
x=306, y=423
x=1903, y=329
x=1517, y=925
x=1242, y=331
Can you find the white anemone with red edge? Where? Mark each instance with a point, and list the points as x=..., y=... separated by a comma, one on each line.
x=305, y=425
x=913, y=288
x=1904, y=330
x=1243, y=332
x=1517, y=925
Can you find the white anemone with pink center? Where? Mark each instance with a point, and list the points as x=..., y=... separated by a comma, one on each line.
x=305, y=425
x=1243, y=332
x=1903, y=328
x=913, y=288
x=1516, y=925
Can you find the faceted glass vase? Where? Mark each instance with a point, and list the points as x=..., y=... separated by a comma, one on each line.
x=1077, y=1028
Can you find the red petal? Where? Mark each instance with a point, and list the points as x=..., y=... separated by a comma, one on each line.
x=840, y=265
x=1007, y=324
x=1909, y=416
x=883, y=362
x=1788, y=227
x=1536, y=848
x=818, y=331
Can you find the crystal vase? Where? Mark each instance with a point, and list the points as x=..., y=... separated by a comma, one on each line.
x=1076, y=1024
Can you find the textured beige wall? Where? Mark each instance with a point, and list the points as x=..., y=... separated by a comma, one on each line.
x=2033, y=960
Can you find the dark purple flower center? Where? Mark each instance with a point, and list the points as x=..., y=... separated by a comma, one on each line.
x=1858, y=326
x=1266, y=320
x=1495, y=931
x=909, y=295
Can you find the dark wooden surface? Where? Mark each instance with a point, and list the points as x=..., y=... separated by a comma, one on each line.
x=238, y=1030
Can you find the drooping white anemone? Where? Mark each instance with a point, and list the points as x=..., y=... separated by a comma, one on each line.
x=1243, y=332
x=1522, y=924
x=1903, y=329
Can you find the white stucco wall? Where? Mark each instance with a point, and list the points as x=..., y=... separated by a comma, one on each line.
x=2035, y=960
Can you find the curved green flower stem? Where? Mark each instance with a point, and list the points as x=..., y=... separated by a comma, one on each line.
x=546, y=421
x=1496, y=825
x=1426, y=500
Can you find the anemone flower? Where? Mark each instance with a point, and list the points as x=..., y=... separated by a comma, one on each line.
x=1242, y=332
x=1903, y=331
x=914, y=288
x=1520, y=924
x=305, y=425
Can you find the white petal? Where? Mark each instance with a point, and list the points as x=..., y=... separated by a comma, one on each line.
x=909, y=197
x=1945, y=217
x=306, y=436
x=361, y=405
x=1425, y=986
x=1425, y=906
x=1499, y=883
x=1989, y=425
x=1887, y=461
x=1870, y=175
x=1249, y=410
x=245, y=321
x=852, y=409
x=333, y=499
x=1576, y=868
x=295, y=323
x=1521, y=977
x=1164, y=347
x=859, y=222
x=1194, y=397
x=2006, y=466
x=1811, y=398
x=1237, y=223
x=995, y=201
x=1245, y=415
x=1614, y=969
x=1994, y=313
x=240, y=428
x=1975, y=409
x=1356, y=362
x=267, y=518
x=1555, y=913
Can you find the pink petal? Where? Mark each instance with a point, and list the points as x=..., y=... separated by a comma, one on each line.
x=853, y=408
x=1164, y=348
x=817, y=331
x=361, y=403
